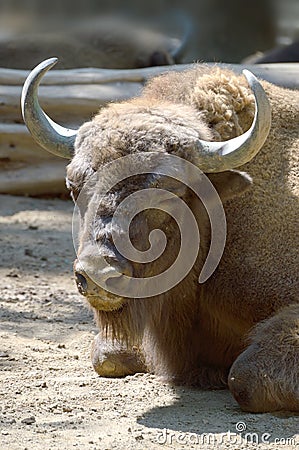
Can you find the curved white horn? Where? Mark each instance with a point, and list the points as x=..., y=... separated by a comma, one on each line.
x=51, y=136
x=221, y=156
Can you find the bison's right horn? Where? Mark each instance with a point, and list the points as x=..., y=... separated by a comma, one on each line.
x=51, y=136
x=221, y=156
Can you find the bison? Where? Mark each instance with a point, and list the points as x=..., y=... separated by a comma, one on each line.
x=109, y=42
x=281, y=54
x=241, y=327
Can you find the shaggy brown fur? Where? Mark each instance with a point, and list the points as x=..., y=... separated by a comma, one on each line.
x=195, y=333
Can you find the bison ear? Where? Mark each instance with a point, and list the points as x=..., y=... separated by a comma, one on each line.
x=230, y=183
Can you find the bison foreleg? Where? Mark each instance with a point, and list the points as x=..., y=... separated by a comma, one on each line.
x=265, y=377
x=112, y=359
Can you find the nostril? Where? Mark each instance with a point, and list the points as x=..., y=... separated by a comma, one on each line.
x=81, y=282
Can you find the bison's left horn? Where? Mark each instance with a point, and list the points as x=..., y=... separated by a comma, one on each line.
x=51, y=136
x=221, y=156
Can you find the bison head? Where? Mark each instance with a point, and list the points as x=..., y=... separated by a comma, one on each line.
x=151, y=130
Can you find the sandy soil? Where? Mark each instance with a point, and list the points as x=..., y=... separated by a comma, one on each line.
x=50, y=398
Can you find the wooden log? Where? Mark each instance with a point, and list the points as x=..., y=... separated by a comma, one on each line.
x=91, y=75
x=74, y=103
x=35, y=180
x=17, y=144
x=26, y=168
x=283, y=74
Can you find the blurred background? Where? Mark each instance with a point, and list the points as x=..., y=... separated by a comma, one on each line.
x=209, y=30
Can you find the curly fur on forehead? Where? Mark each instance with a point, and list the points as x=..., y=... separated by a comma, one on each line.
x=139, y=126
x=173, y=111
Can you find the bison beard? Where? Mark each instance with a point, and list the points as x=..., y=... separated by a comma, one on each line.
x=240, y=327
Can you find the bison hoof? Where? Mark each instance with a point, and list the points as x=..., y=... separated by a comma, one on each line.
x=257, y=388
x=112, y=359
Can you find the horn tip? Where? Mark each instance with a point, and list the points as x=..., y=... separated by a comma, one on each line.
x=49, y=63
x=44, y=66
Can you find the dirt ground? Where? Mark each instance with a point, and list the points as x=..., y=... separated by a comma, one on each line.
x=50, y=397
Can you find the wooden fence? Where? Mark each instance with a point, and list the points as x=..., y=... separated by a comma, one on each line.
x=71, y=97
